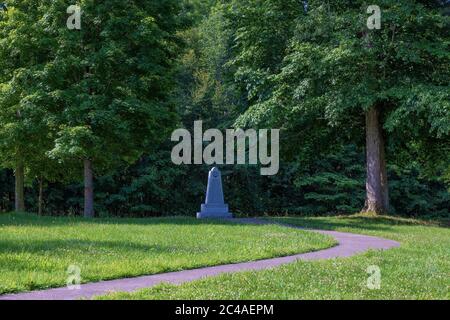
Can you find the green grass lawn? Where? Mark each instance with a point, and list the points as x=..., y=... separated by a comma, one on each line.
x=419, y=269
x=35, y=252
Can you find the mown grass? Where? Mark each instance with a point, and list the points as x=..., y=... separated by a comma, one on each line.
x=419, y=269
x=35, y=252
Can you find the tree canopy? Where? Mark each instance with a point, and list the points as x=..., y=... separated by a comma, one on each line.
x=364, y=113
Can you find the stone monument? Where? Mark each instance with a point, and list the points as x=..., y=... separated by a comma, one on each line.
x=214, y=206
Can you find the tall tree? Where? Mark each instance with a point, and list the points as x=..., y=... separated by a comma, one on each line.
x=393, y=81
x=111, y=80
x=24, y=51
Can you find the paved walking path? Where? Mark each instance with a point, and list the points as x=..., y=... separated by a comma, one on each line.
x=348, y=245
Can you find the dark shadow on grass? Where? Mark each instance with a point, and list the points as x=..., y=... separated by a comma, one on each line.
x=29, y=219
x=380, y=223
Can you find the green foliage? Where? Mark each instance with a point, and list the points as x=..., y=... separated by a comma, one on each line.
x=418, y=194
x=6, y=190
x=335, y=69
x=26, y=129
x=334, y=184
x=113, y=91
x=111, y=79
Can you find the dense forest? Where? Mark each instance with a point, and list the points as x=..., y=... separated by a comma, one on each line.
x=86, y=115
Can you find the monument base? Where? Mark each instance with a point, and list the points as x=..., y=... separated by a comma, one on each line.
x=208, y=215
x=209, y=211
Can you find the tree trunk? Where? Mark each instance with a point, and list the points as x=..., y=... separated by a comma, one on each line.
x=88, y=189
x=41, y=196
x=376, y=183
x=19, y=199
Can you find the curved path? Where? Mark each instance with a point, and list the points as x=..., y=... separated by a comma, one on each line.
x=348, y=245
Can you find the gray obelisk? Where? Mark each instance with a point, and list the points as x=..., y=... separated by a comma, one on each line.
x=214, y=206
